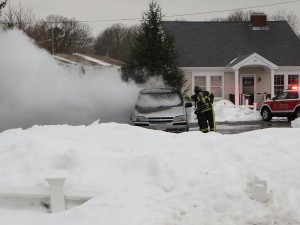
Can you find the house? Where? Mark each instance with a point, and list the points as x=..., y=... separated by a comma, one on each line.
x=240, y=61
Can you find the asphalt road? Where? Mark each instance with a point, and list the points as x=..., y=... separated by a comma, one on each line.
x=240, y=127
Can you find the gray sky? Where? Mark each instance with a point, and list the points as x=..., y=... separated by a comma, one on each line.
x=95, y=10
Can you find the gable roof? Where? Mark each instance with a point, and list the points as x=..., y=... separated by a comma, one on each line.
x=253, y=59
x=217, y=44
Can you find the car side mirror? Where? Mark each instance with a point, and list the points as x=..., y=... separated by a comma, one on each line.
x=188, y=104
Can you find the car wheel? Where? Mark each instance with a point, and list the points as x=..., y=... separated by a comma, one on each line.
x=187, y=128
x=297, y=113
x=266, y=114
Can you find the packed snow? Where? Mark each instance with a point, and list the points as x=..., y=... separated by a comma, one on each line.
x=146, y=176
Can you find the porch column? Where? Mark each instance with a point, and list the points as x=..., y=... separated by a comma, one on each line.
x=236, y=87
x=272, y=83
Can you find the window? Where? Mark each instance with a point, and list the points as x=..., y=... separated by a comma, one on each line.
x=278, y=84
x=155, y=100
x=213, y=84
x=293, y=80
x=201, y=82
x=216, y=85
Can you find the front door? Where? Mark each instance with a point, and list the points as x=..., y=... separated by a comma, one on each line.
x=248, y=88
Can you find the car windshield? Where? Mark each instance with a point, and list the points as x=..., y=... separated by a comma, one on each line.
x=156, y=100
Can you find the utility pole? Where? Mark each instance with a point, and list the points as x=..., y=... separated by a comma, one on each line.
x=52, y=34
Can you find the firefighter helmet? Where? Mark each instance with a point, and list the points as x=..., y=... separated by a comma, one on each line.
x=197, y=89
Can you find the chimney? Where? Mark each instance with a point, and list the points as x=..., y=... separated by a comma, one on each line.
x=258, y=20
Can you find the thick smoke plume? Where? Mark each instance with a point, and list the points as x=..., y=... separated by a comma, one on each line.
x=35, y=89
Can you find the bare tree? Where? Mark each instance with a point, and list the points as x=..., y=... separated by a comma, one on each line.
x=115, y=41
x=62, y=35
x=217, y=19
x=18, y=16
x=40, y=33
x=238, y=15
x=55, y=33
x=280, y=15
x=290, y=17
x=235, y=16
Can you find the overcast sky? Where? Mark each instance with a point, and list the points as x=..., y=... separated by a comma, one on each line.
x=97, y=10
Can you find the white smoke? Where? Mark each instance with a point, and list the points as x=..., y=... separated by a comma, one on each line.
x=34, y=89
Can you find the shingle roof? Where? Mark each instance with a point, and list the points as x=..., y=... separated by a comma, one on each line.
x=216, y=44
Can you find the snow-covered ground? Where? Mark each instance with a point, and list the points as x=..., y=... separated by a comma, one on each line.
x=153, y=177
x=145, y=177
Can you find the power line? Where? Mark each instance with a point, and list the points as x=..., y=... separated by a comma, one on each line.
x=242, y=8
x=193, y=14
x=186, y=14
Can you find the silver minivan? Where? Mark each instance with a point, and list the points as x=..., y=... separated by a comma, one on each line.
x=161, y=109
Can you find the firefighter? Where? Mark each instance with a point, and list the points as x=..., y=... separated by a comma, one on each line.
x=204, y=109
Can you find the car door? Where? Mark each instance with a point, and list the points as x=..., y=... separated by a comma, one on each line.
x=279, y=103
x=292, y=97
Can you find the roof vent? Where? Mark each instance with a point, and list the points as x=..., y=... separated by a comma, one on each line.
x=258, y=21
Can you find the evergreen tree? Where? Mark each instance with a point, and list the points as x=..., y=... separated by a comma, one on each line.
x=153, y=52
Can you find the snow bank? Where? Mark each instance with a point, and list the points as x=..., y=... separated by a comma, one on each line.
x=153, y=177
x=296, y=123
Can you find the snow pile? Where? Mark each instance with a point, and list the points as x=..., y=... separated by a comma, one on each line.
x=153, y=177
x=296, y=123
x=226, y=111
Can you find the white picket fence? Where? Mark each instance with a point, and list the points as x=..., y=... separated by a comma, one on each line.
x=55, y=192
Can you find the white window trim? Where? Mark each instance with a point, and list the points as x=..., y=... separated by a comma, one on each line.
x=208, y=75
x=285, y=80
x=286, y=75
